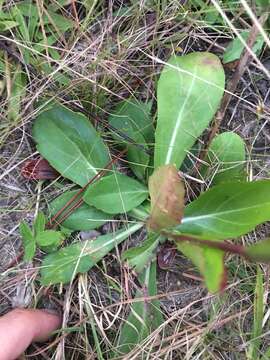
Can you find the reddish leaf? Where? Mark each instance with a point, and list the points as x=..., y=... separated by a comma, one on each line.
x=38, y=169
x=167, y=198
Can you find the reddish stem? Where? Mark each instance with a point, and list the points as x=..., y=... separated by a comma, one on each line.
x=66, y=215
x=78, y=203
x=224, y=245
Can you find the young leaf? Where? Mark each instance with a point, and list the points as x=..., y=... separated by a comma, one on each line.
x=167, y=198
x=29, y=242
x=227, y=211
x=145, y=316
x=226, y=156
x=210, y=263
x=137, y=156
x=49, y=239
x=132, y=118
x=235, y=48
x=63, y=265
x=84, y=218
x=135, y=114
x=115, y=194
x=70, y=143
x=139, y=257
x=189, y=92
x=39, y=224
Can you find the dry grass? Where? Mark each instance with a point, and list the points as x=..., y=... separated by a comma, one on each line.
x=108, y=58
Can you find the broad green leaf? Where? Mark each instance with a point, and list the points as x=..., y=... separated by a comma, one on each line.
x=235, y=48
x=167, y=194
x=29, y=242
x=63, y=265
x=259, y=252
x=70, y=143
x=139, y=257
x=132, y=118
x=49, y=239
x=145, y=316
x=39, y=224
x=226, y=156
x=210, y=263
x=115, y=194
x=189, y=91
x=84, y=218
x=227, y=211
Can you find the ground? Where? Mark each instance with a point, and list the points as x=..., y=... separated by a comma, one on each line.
x=115, y=49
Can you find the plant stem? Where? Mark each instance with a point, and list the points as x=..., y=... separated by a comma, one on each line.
x=224, y=245
x=79, y=202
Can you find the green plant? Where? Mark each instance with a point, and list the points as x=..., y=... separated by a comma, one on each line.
x=37, y=28
x=236, y=47
x=189, y=92
x=47, y=240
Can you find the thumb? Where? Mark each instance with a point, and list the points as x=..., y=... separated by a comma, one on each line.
x=20, y=327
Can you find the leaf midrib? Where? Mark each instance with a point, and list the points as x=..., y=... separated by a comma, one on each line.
x=74, y=144
x=122, y=192
x=212, y=215
x=179, y=120
x=116, y=238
